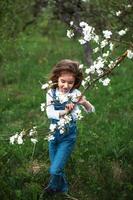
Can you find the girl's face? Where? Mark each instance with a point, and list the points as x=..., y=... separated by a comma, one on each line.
x=66, y=82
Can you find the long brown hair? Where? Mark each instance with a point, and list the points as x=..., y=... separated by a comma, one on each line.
x=67, y=66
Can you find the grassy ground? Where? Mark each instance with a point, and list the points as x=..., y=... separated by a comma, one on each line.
x=101, y=165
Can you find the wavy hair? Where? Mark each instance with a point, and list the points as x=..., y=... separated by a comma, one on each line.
x=67, y=66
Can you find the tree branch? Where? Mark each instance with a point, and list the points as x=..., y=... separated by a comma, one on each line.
x=107, y=72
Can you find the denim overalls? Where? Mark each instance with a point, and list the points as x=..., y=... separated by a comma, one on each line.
x=60, y=150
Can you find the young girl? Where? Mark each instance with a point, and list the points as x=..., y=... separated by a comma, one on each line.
x=62, y=99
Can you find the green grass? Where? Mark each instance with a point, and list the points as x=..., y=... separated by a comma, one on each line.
x=101, y=165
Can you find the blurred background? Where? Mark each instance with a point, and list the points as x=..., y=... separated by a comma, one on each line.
x=32, y=40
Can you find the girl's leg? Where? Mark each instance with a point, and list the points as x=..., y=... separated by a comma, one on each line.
x=52, y=150
x=63, y=152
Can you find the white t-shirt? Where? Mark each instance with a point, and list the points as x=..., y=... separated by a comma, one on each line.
x=54, y=114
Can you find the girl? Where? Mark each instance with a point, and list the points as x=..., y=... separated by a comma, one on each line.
x=63, y=99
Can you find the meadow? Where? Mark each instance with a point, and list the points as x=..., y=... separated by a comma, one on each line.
x=101, y=165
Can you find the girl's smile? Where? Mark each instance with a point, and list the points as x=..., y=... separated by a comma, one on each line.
x=66, y=82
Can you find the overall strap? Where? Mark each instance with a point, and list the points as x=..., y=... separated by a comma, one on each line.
x=54, y=93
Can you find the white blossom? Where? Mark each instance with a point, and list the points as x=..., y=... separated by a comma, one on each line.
x=99, y=63
x=88, y=32
x=82, y=41
x=81, y=66
x=110, y=64
x=107, y=34
x=43, y=106
x=50, y=82
x=111, y=46
x=118, y=13
x=122, y=32
x=87, y=37
x=99, y=72
x=52, y=127
x=87, y=71
x=92, y=69
x=83, y=83
x=50, y=137
x=106, y=54
x=62, y=130
x=96, y=50
x=96, y=38
x=105, y=82
x=70, y=33
x=129, y=54
x=93, y=109
x=83, y=24
x=61, y=122
x=87, y=78
x=20, y=139
x=67, y=119
x=71, y=23
x=45, y=86
x=13, y=138
x=79, y=114
x=104, y=43
x=129, y=6
x=33, y=140
x=33, y=131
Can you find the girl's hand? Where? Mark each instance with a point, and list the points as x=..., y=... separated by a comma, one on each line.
x=69, y=107
x=82, y=100
x=87, y=105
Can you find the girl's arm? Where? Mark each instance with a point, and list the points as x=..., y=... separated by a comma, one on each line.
x=86, y=104
x=50, y=111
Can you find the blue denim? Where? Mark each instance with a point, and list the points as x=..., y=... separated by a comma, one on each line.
x=60, y=150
